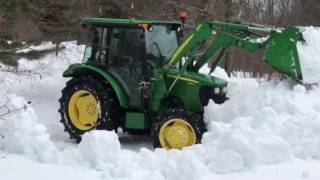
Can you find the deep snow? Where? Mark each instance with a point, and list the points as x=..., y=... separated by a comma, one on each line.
x=266, y=130
x=309, y=54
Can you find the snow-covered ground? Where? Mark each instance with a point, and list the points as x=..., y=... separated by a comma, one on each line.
x=265, y=131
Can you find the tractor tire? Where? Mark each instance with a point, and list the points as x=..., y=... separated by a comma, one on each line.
x=177, y=128
x=88, y=103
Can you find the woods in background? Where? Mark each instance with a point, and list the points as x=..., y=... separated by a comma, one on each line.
x=58, y=20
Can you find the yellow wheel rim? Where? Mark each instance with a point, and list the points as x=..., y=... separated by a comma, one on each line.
x=83, y=109
x=176, y=133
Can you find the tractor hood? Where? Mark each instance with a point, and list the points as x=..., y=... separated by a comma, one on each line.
x=197, y=78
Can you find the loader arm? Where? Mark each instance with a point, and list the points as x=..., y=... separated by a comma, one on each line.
x=278, y=44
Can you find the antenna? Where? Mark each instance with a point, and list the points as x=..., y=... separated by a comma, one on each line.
x=131, y=10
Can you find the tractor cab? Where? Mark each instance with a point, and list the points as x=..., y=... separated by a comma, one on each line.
x=130, y=50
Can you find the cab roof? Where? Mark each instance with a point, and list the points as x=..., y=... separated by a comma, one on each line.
x=123, y=22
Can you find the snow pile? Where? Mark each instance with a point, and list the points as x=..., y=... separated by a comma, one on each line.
x=41, y=81
x=309, y=53
x=101, y=150
x=218, y=72
x=266, y=123
x=22, y=133
x=274, y=122
x=98, y=147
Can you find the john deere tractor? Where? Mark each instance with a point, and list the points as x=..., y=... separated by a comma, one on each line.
x=141, y=76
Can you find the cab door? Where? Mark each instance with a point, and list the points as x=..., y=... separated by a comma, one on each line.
x=126, y=62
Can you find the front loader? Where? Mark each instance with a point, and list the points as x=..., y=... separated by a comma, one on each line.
x=139, y=75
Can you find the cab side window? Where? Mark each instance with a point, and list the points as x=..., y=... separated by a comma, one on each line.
x=96, y=49
x=125, y=46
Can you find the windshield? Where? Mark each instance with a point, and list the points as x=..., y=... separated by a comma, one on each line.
x=161, y=42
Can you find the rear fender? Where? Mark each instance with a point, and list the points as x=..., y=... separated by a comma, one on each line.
x=84, y=69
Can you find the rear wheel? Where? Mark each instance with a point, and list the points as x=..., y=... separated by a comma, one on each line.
x=87, y=103
x=176, y=129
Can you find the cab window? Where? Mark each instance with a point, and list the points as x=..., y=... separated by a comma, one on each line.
x=96, y=49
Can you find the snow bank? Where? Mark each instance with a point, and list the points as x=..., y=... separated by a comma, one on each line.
x=101, y=150
x=281, y=124
x=309, y=53
x=40, y=47
x=98, y=147
x=218, y=72
x=22, y=133
x=52, y=66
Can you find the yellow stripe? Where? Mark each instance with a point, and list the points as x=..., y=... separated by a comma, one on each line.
x=184, y=79
x=183, y=45
x=200, y=26
x=186, y=42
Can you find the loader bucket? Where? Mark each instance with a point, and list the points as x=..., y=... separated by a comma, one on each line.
x=281, y=52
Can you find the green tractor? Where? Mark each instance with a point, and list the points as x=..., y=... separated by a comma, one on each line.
x=141, y=76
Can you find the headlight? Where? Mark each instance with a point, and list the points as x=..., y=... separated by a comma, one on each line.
x=224, y=89
x=216, y=90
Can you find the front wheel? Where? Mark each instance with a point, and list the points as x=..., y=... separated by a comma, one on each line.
x=87, y=103
x=176, y=129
